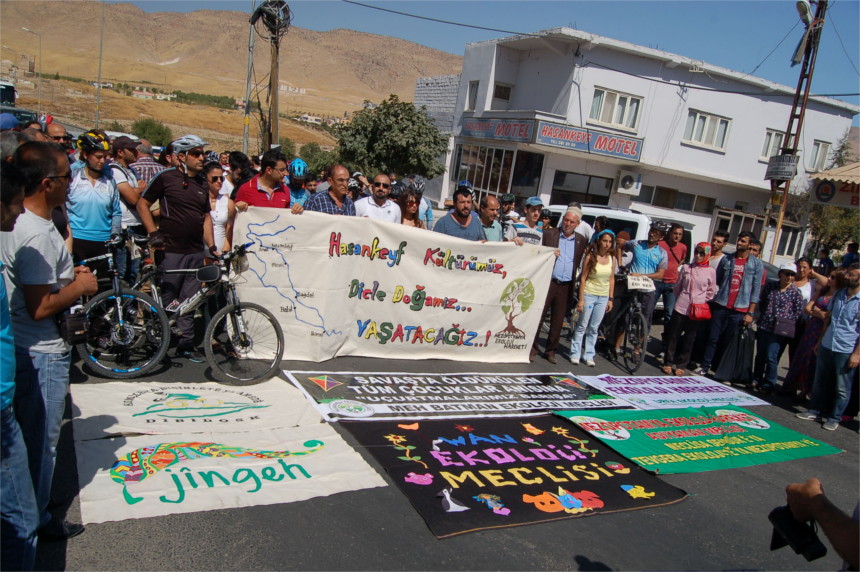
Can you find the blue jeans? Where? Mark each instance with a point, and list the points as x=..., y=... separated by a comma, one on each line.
x=41, y=385
x=592, y=314
x=667, y=292
x=17, y=499
x=832, y=387
x=724, y=322
x=769, y=348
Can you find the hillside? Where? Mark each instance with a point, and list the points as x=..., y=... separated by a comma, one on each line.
x=206, y=51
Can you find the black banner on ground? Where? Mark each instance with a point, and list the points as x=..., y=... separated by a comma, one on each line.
x=464, y=475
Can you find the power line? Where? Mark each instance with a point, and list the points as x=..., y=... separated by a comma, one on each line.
x=439, y=20
x=774, y=49
x=833, y=23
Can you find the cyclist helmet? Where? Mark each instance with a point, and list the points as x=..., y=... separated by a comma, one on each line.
x=298, y=169
x=660, y=226
x=213, y=157
x=187, y=143
x=397, y=189
x=466, y=183
x=353, y=184
x=418, y=184
x=93, y=141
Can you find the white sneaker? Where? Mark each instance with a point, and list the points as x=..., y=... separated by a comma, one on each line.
x=574, y=360
x=589, y=362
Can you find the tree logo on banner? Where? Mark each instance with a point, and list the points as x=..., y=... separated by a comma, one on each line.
x=516, y=299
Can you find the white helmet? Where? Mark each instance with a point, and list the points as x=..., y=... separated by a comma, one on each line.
x=187, y=143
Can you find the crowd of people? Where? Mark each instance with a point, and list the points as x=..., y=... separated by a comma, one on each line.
x=62, y=199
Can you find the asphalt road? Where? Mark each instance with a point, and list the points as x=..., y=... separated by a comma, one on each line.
x=723, y=525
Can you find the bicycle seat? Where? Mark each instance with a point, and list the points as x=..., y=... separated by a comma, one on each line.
x=209, y=273
x=140, y=240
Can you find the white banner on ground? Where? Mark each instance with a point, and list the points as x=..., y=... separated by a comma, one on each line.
x=357, y=286
x=115, y=408
x=666, y=392
x=155, y=475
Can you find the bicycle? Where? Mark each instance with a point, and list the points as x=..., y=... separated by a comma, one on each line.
x=128, y=332
x=633, y=321
x=243, y=342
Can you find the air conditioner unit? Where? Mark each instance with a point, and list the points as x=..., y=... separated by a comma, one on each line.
x=629, y=183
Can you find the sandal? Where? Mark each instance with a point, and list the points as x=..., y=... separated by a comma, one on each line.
x=679, y=372
x=667, y=369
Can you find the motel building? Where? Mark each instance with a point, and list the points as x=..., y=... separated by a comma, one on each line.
x=570, y=116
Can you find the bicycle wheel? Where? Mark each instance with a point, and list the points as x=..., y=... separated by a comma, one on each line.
x=243, y=344
x=635, y=336
x=128, y=349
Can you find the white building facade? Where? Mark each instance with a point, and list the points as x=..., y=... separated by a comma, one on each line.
x=570, y=116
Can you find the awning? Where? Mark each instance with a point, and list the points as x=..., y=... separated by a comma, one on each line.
x=839, y=186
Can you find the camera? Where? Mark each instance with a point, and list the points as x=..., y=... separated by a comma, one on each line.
x=801, y=536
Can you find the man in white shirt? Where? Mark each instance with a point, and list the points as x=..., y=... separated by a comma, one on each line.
x=378, y=206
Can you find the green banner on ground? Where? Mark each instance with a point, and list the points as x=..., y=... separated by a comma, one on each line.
x=694, y=440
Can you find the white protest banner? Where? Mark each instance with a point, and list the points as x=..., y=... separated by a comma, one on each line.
x=640, y=283
x=394, y=396
x=356, y=286
x=667, y=392
x=104, y=409
x=155, y=475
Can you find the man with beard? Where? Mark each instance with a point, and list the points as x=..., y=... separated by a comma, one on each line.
x=378, y=206
x=460, y=222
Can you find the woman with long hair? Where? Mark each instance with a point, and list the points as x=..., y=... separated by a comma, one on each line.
x=810, y=284
x=222, y=207
x=697, y=284
x=801, y=371
x=410, y=202
x=596, y=289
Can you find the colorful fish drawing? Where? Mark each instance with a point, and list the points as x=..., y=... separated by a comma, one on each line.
x=146, y=461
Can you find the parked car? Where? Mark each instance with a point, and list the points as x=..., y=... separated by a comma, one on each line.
x=634, y=222
x=24, y=116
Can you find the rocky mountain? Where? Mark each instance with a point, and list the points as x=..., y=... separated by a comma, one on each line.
x=206, y=51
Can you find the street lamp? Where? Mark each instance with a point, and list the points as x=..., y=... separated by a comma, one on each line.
x=40, y=64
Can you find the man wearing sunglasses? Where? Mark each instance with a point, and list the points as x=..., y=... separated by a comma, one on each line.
x=185, y=235
x=378, y=206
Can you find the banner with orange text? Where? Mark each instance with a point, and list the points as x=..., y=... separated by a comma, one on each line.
x=355, y=286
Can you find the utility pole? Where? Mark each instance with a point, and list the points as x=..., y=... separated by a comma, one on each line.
x=99, y=81
x=782, y=168
x=247, y=124
x=40, y=65
x=276, y=18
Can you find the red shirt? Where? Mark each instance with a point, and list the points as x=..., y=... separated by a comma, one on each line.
x=676, y=256
x=735, y=286
x=252, y=194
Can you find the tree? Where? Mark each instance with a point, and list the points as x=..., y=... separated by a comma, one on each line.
x=834, y=227
x=153, y=130
x=114, y=126
x=393, y=136
x=316, y=158
x=288, y=148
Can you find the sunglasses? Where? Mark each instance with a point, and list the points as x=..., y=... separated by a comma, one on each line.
x=383, y=185
x=196, y=153
x=216, y=179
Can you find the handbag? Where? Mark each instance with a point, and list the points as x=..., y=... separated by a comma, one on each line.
x=699, y=312
x=784, y=327
x=73, y=326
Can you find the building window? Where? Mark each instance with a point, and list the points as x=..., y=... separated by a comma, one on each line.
x=703, y=130
x=585, y=189
x=472, y=99
x=488, y=168
x=674, y=199
x=789, y=241
x=817, y=159
x=615, y=109
x=772, y=144
x=502, y=91
x=527, y=171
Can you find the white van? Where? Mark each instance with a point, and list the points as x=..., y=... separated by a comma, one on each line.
x=634, y=222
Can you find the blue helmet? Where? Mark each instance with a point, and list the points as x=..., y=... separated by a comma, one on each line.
x=298, y=169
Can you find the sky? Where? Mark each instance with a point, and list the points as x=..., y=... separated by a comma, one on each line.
x=756, y=37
